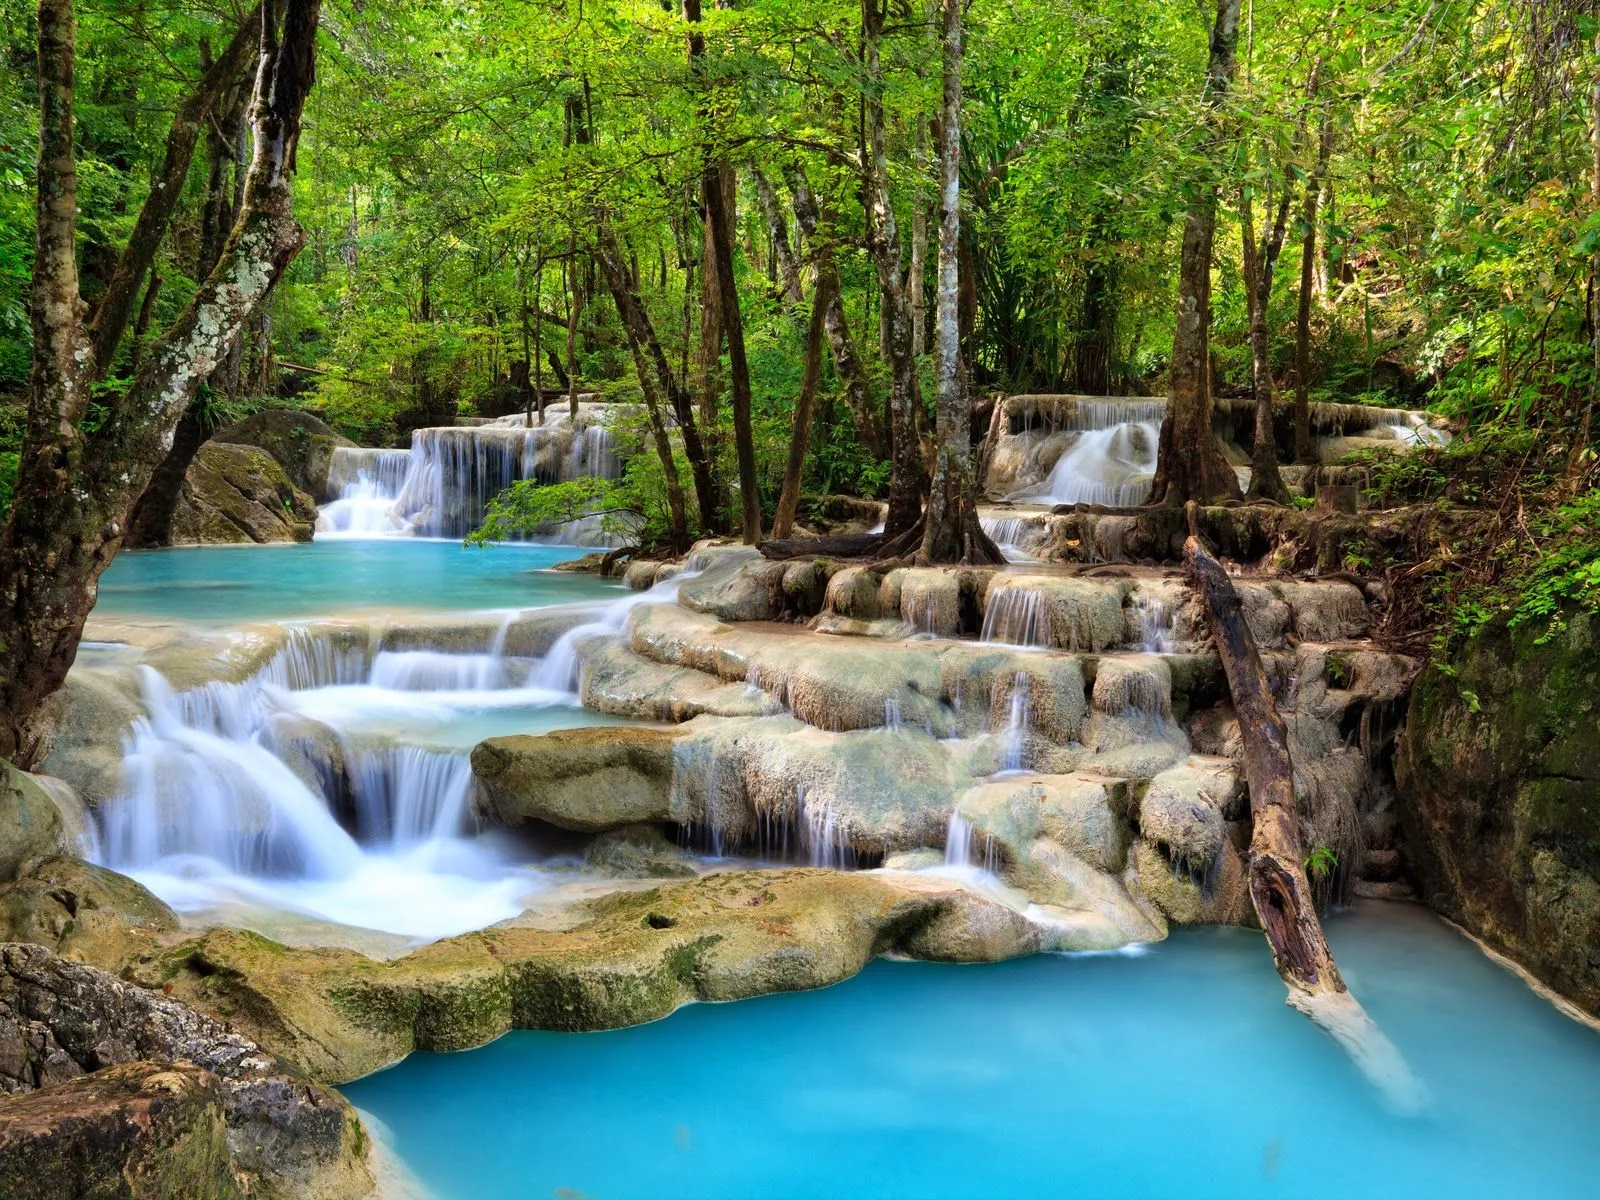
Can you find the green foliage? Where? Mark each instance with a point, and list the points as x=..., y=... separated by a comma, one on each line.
x=8, y=480
x=529, y=507
x=1321, y=862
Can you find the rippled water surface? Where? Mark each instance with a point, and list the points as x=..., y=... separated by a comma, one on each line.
x=1175, y=1073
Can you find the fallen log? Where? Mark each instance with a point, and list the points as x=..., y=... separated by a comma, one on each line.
x=852, y=545
x=1275, y=869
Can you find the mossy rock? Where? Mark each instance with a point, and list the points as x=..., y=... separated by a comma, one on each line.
x=302, y=443
x=1499, y=775
x=240, y=494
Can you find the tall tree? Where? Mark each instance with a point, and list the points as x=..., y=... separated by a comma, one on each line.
x=1191, y=465
x=883, y=240
x=83, y=465
x=719, y=221
x=950, y=531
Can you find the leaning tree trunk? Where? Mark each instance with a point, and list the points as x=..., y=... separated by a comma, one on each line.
x=1190, y=464
x=787, y=263
x=818, y=233
x=1260, y=262
x=76, y=485
x=1279, y=889
x=800, y=435
x=950, y=531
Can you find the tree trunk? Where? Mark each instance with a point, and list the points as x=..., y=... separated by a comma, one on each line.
x=1191, y=465
x=800, y=435
x=574, y=314
x=950, y=530
x=783, y=254
x=150, y=522
x=818, y=233
x=641, y=330
x=1097, y=324
x=1260, y=263
x=76, y=486
x=916, y=280
x=907, y=470
x=1276, y=876
x=116, y=305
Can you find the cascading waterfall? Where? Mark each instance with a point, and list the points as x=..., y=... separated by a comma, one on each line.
x=1013, y=755
x=1109, y=462
x=442, y=485
x=270, y=791
x=1015, y=615
x=1158, y=624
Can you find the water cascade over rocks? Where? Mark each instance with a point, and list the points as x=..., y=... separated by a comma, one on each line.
x=442, y=485
x=282, y=791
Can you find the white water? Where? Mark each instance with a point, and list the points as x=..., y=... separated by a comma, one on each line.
x=1157, y=624
x=1013, y=755
x=442, y=485
x=1110, y=465
x=368, y=832
x=1015, y=615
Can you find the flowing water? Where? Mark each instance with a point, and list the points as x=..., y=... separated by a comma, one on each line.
x=442, y=485
x=1178, y=1072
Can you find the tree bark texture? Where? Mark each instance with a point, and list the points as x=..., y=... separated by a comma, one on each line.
x=883, y=239
x=1191, y=465
x=75, y=486
x=800, y=435
x=1308, y=264
x=1279, y=888
x=818, y=232
x=950, y=531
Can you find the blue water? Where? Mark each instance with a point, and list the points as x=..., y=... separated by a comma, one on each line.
x=1177, y=1073
x=249, y=583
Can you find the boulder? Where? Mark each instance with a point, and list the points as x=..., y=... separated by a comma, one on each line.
x=239, y=494
x=619, y=682
x=32, y=824
x=302, y=444
x=60, y=1021
x=1499, y=786
x=638, y=852
x=589, y=779
x=81, y=909
x=139, y=1131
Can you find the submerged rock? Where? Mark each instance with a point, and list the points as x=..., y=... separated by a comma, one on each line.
x=237, y=493
x=638, y=852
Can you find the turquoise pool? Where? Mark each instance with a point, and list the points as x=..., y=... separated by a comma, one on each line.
x=247, y=583
x=1175, y=1073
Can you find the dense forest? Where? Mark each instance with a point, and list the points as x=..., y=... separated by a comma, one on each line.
x=527, y=514
x=742, y=218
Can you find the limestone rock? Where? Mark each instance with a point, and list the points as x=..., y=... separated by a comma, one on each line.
x=619, y=682
x=140, y=1131
x=81, y=909
x=1081, y=813
x=238, y=493
x=302, y=443
x=584, y=779
x=1499, y=786
x=32, y=825
x=638, y=852
x=60, y=1020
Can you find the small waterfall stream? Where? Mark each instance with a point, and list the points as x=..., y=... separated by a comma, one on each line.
x=292, y=789
x=442, y=485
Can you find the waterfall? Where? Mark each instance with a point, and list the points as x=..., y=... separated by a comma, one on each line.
x=891, y=713
x=561, y=669
x=1158, y=623
x=959, y=845
x=1015, y=746
x=366, y=485
x=1015, y=615
x=288, y=789
x=826, y=844
x=1110, y=466
x=442, y=485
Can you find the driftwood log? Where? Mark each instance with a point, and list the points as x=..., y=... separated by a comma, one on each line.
x=1276, y=875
